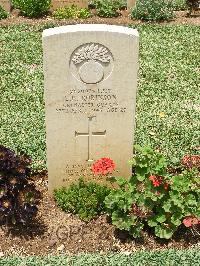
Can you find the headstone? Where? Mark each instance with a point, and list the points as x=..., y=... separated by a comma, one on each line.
x=61, y=3
x=131, y=4
x=90, y=93
x=6, y=5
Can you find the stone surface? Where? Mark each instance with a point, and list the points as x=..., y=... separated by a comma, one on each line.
x=61, y=3
x=5, y=4
x=90, y=93
x=131, y=4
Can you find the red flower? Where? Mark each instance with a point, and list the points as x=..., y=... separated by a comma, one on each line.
x=190, y=161
x=156, y=180
x=189, y=221
x=103, y=166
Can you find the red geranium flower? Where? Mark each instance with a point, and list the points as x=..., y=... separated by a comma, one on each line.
x=189, y=221
x=156, y=180
x=103, y=166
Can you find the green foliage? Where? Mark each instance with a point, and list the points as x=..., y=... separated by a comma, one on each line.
x=107, y=8
x=84, y=199
x=32, y=8
x=71, y=12
x=183, y=257
x=15, y=3
x=154, y=10
x=152, y=195
x=179, y=5
x=120, y=4
x=17, y=195
x=3, y=13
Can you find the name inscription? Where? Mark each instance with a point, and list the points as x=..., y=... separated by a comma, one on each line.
x=99, y=100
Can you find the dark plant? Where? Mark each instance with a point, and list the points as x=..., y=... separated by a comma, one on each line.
x=17, y=194
x=32, y=8
x=84, y=199
x=193, y=5
x=154, y=10
x=3, y=13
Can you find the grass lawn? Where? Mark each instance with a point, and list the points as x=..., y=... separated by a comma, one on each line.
x=168, y=100
x=190, y=257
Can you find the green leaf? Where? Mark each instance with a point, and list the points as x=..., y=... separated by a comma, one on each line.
x=191, y=200
x=166, y=206
x=140, y=177
x=177, y=198
x=176, y=219
x=132, y=162
x=160, y=218
x=164, y=232
x=121, y=181
x=135, y=231
x=152, y=222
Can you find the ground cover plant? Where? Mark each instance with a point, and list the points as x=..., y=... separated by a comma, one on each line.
x=161, y=258
x=167, y=115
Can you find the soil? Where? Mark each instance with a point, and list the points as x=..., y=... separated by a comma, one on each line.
x=124, y=19
x=55, y=232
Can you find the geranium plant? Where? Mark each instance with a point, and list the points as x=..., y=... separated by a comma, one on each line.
x=153, y=196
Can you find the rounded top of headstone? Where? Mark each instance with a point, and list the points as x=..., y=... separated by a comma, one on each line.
x=90, y=28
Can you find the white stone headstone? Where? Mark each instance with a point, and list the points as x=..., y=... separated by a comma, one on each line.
x=6, y=5
x=90, y=94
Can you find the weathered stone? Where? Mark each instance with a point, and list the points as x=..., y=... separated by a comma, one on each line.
x=6, y=5
x=90, y=92
x=131, y=4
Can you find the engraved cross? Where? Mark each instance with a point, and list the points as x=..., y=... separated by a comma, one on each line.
x=89, y=135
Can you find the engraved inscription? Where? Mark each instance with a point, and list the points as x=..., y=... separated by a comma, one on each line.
x=78, y=170
x=89, y=135
x=87, y=101
x=91, y=63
